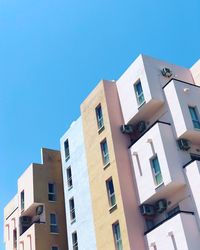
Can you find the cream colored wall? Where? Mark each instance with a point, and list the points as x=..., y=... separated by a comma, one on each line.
x=119, y=164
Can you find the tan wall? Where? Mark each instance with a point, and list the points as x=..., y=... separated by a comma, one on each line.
x=34, y=181
x=123, y=184
x=51, y=171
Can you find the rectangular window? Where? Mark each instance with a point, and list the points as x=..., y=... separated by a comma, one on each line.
x=22, y=200
x=99, y=116
x=69, y=178
x=72, y=210
x=51, y=192
x=74, y=241
x=111, y=192
x=53, y=223
x=104, y=151
x=66, y=146
x=156, y=170
x=54, y=248
x=139, y=93
x=195, y=117
x=117, y=236
x=15, y=238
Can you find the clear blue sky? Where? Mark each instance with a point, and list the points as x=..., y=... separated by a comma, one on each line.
x=53, y=53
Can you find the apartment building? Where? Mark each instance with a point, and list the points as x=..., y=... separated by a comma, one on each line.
x=141, y=136
x=35, y=218
x=130, y=169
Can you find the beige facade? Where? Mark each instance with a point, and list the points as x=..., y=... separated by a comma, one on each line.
x=125, y=210
x=35, y=217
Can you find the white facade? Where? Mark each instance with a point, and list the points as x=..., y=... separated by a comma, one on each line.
x=80, y=191
x=166, y=169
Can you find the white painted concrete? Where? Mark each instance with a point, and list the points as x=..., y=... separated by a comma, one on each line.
x=83, y=224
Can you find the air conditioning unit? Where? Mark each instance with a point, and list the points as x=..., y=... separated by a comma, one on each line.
x=25, y=220
x=141, y=126
x=39, y=210
x=147, y=210
x=161, y=205
x=166, y=72
x=183, y=144
x=127, y=129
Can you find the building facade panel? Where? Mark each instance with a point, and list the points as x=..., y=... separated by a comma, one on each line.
x=78, y=188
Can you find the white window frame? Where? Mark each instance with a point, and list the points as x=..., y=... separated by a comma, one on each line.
x=118, y=241
x=111, y=196
x=66, y=149
x=72, y=210
x=99, y=117
x=53, y=226
x=75, y=243
x=155, y=174
x=195, y=121
x=140, y=97
x=52, y=194
x=69, y=178
x=105, y=155
x=22, y=197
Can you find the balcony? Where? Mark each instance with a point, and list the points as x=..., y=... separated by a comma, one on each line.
x=181, y=98
x=175, y=233
x=34, y=214
x=156, y=163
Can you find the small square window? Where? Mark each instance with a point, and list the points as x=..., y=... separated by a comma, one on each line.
x=104, y=151
x=53, y=223
x=139, y=93
x=99, y=116
x=66, y=146
x=72, y=210
x=111, y=192
x=117, y=236
x=156, y=171
x=74, y=241
x=195, y=117
x=69, y=178
x=51, y=192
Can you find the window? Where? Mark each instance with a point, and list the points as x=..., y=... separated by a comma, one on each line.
x=156, y=171
x=139, y=93
x=72, y=210
x=104, y=151
x=69, y=178
x=74, y=241
x=51, y=192
x=99, y=117
x=111, y=192
x=22, y=200
x=15, y=238
x=117, y=236
x=66, y=146
x=53, y=223
x=54, y=248
x=194, y=116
